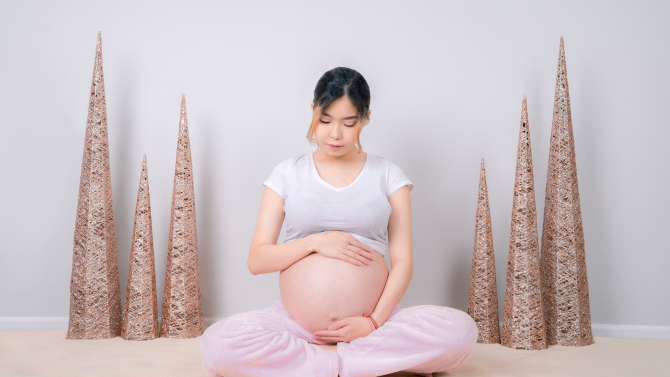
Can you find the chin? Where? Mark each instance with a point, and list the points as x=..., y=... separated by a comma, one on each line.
x=337, y=153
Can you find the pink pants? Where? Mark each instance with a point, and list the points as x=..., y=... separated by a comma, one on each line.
x=268, y=342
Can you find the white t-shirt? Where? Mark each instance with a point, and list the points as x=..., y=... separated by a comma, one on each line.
x=312, y=205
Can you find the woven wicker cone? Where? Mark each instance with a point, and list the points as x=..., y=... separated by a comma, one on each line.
x=483, y=294
x=182, y=308
x=140, y=312
x=565, y=288
x=523, y=319
x=95, y=301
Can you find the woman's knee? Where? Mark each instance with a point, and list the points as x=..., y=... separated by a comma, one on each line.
x=455, y=334
x=455, y=327
x=221, y=345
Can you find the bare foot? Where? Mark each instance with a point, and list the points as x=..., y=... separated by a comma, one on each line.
x=328, y=347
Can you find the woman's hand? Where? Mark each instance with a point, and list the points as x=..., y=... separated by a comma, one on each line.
x=345, y=330
x=342, y=245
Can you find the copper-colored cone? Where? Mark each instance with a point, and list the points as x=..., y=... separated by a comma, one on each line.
x=523, y=319
x=483, y=297
x=140, y=312
x=565, y=287
x=182, y=308
x=95, y=301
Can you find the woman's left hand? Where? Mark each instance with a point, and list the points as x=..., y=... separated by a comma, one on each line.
x=345, y=330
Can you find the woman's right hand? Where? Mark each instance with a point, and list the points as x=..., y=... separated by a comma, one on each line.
x=342, y=245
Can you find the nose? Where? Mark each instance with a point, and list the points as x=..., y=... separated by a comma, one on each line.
x=335, y=132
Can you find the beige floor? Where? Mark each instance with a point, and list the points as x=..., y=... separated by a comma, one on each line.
x=48, y=353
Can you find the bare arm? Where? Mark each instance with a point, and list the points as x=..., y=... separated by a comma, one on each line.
x=400, y=250
x=265, y=256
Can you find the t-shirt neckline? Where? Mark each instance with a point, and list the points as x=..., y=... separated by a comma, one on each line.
x=318, y=177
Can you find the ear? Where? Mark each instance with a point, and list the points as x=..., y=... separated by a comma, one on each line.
x=312, y=106
x=369, y=112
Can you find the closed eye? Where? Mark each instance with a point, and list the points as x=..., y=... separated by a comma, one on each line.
x=348, y=125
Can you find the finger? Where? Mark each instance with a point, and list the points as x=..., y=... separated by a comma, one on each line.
x=361, y=245
x=366, y=254
x=347, y=258
x=354, y=241
x=339, y=336
x=325, y=333
x=339, y=324
x=356, y=256
x=360, y=252
x=348, y=235
x=332, y=339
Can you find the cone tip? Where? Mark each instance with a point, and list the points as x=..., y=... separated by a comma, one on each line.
x=524, y=96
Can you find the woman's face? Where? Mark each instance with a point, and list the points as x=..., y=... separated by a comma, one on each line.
x=336, y=130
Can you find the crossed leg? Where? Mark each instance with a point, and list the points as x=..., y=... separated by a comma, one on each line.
x=420, y=339
x=263, y=343
x=416, y=340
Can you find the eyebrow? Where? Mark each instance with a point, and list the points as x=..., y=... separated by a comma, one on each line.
x=351, y=117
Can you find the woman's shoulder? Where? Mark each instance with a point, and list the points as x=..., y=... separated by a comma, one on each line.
x=292, y=165
x=381, y=163
x=286, y=172
x=392, y=174
x=292, y=161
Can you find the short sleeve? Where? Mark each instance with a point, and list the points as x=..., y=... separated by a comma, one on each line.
x=277, y=181
x=396, y=179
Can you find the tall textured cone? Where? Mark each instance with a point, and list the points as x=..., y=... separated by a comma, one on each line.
x=95, y=301
x=565, y=287
x=483, y=295
x=523, y=318
x=140, y=312
x=182, y=308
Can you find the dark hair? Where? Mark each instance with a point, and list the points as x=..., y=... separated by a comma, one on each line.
x=343, y=81
x=336, y=83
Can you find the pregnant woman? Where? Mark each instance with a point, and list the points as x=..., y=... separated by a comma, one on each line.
x=338, y=313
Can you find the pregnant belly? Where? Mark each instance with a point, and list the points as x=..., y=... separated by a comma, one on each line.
x=318, y=290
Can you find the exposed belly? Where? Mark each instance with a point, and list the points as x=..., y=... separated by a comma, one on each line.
x=318, y=290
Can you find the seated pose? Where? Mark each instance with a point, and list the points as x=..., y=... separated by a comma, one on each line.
x=338, y=313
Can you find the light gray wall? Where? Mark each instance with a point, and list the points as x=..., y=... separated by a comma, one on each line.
x=447, y=81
